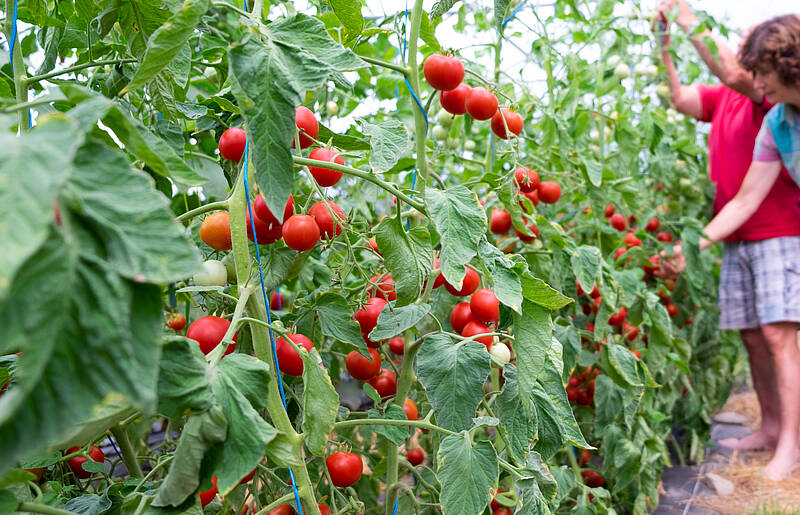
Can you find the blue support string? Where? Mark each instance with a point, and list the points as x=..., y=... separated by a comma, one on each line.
x=111, y=441
x=266, y=303
x=513, y=13
x=11, y=51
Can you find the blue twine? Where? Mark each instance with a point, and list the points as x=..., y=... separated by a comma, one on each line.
x=11, y=51
x=266, y=302
x=408, y=85
x=172, y=295
x=114, y=446
x=514, y=13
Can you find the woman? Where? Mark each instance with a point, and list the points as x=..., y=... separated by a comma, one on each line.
x=772, y=53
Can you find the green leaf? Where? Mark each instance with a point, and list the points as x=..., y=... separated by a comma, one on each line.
x=396, y=434
x=182, y=382
x=337, y=321
x=134, y=221
x=393, y=321
x=166, y=42
x=507, y=287
x=349, y=14
x=32, y=168
x=608, y=398
x=71, y=315
x=441, y=7
x=270, y=76
x=427, y=32
x=466, y=472
x=199, y=433
x=533, y=331
x=320, y=403
x=541, y=293
x=389, y=142
x=8, y=502
x=453, y=377
x=517, y=418
x=407, y=255
x=624, y=363
x=89, y=504
x=586, y=265
x=276, y=264
x=241, y=387
x=554, y=409
x=500, y=8
x=461, y=222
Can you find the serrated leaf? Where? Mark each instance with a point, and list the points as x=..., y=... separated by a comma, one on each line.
x=89, y=504
x=349, y=14
x=167, y=41
x=586, y=265
x=337, y=321
x=533, y=331
x=461, y=222
x=541, y=293
x=466, y=472
x=389, y=142
x=393, y=321
x=441, y=7
x=500, y=8
x=624, y=363
x=518, y=419
x=182, y=382
x=32, y=168
x=453, y=377
x=270, y=76
x=396, y=434
x=506, y=281
x=407, y=255
x=320, y=403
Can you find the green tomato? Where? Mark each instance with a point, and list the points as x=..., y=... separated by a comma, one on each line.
x=230, y=266
x=500, y=351
x=469, y=145
x=444, y=118
x=663, y=91
x=453, y=143
x=332, y=108
x=214, y=274
x=621, y=71
x=612, y=61
x=651, y=71
x=440, y=133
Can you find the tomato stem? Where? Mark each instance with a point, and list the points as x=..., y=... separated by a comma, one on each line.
x=205, y=208
x=129, y=456
x=78, y=67
x=42, y=508
x=18, y=64
x=277, y=502
x=420, y=122
x=385, y=64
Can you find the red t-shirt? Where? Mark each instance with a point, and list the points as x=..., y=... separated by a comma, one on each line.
x=735, y=122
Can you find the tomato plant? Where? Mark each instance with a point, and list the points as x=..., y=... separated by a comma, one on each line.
x=373, y=162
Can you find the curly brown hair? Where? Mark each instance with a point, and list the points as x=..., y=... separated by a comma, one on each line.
x=774, y=46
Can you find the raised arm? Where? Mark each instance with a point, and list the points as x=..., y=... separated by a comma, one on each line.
x=724, y=65
x=757, y=183
x=686, y=99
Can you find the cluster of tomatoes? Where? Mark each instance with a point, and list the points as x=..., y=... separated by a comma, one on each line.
x=445, y=74
x=591, y=478
x=580, y=389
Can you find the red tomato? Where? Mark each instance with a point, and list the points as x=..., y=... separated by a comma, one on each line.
x=300, y=232
x=500, y=221
x=263, y=213
x=618, y=318
x=289, y=360
x=384, y=286
x=630, y=331
x=249, y=477
x=410, y=409
x=208, y=331
x=362, y=368
x=485, y=306
x=283, y=509
x=324, y=509
x=266, y=233
x=38, y=472
x=231, y=143
x=618, y=222
x=502, y=511
x=513, y=122
x=632, y=220
x=276, y=301
x=631, y=240
x=672, y=310
x=481, y=103
x=585, y=398
x=619, y=253
x=443, y=72
x=652, y=225
x=460, y=315
x=307, y=123
x=574, y=381
x=439, y=280
x=385, y=383
x=325, y=176
x=367, y=317
x=215, y=231
x=584, y=457
x=533, y=196
x=572, y=394
x=454, y=101
x=374, y=246
x=326, y=223
x=345, y=468
x=415, y=456
x=176, y=321
x=494, y=504
x=527, y=237
x=527, y=180
x=664, y=236
x=653, y=262
x=609, y=211
x=208, y=495
x=470, y=284
x=397, y=345
x=76, y=463
x=474, y=327
x=592, y=479
x=549, y=192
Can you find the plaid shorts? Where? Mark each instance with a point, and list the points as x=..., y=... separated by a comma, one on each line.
x=759, y=283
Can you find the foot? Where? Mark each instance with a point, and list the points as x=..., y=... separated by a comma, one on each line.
x=782, y=464
x=753, y=442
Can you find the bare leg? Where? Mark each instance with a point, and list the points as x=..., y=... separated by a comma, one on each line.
x=782, y=340
x=762, y=370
